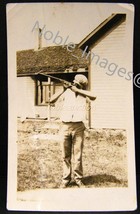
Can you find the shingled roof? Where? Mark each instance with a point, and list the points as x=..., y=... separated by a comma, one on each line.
x=50, y=59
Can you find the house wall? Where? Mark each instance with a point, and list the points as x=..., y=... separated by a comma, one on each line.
x=26, y=102
x=111, y=89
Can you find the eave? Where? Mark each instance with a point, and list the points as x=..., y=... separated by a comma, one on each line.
x=104, y=28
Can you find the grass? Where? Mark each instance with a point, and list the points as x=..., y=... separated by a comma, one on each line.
x=40, y=162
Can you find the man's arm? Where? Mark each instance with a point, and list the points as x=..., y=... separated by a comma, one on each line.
x=56, y=96
x=85, y=93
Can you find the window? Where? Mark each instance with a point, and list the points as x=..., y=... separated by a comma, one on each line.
x=45, y=90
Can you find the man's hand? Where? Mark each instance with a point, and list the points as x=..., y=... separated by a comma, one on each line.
x=67, y=85
x=74, y=89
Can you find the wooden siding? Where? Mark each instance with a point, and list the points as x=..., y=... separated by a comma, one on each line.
x=108, y=111
x=25, y=90
x=26, y=100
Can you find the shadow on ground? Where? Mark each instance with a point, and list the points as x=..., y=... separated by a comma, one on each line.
x=100, y=179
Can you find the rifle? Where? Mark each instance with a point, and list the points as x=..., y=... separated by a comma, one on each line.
x=66, y=83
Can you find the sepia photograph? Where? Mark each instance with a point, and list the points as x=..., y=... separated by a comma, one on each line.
x=70, y=92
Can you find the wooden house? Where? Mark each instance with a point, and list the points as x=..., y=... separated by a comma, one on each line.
x=103, y=56
x=36, y=88
x=109, y=49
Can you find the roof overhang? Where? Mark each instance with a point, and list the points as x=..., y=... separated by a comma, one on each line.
x=50, y=73
x=96, y=35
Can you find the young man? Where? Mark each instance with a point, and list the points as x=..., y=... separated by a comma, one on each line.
x=73, y=114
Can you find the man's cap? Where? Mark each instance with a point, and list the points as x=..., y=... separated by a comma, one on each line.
x=81, y=79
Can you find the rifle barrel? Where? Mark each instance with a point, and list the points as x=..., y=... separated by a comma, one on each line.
x=61, y=80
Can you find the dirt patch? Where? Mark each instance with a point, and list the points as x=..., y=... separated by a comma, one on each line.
x=40, y=163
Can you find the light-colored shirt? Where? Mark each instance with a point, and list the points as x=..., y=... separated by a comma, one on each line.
x=73, y=108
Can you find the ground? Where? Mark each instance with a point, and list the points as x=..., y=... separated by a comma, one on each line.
x=40, y=162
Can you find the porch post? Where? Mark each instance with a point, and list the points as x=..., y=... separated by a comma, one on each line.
x=49, y=104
